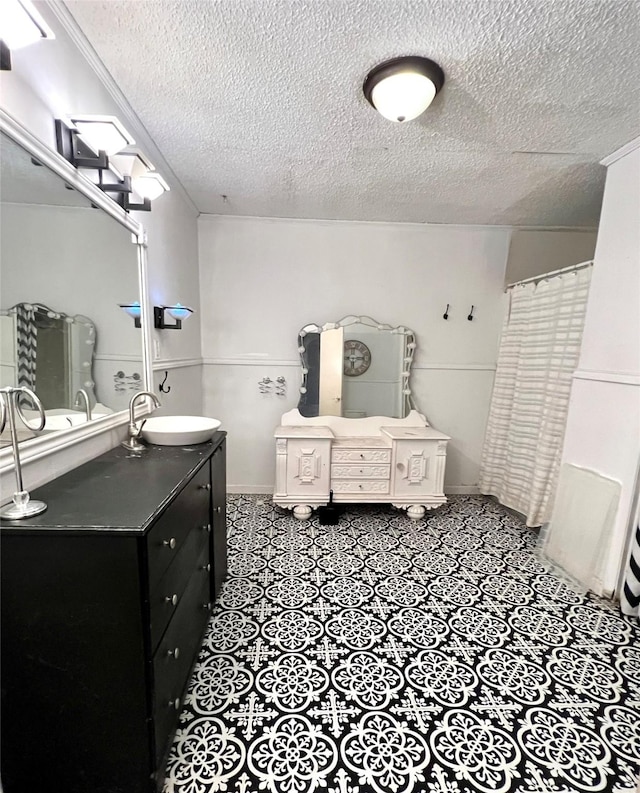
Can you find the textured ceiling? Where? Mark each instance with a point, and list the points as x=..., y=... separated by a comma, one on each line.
x=257, y=105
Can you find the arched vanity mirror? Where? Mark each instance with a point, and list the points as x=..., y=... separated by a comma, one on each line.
x=355, y=368
x=69, y=255
x=356, y=434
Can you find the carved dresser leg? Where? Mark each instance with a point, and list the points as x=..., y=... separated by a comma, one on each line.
x=303, y=511
x=416, y=511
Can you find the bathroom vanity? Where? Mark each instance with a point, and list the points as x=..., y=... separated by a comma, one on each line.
x=105, y=598
x=356, y=432
x=373, y=460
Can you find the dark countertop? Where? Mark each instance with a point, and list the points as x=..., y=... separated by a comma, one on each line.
x=119, y=491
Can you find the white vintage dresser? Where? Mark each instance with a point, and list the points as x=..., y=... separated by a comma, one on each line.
x=374, y=460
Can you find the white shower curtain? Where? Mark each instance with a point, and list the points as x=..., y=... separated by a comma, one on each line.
x=538, y=354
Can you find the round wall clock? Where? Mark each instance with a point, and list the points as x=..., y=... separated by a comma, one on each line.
x=357, y=358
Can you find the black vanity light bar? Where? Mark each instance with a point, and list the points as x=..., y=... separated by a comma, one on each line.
x=70, y=145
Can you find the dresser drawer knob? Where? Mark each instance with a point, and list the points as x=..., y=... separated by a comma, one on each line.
x=206, y=567
x=175, y=703
x=171, y=543
x=360, y=486
x=218, y=510
x=207, y=606
x=175, y=653
x=362, y=456
x=207, y=527
x=173, y=599
x=205, y=487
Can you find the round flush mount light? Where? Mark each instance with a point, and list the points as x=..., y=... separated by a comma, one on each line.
x=402, y=88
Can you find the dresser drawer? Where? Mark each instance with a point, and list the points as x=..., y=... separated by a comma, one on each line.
x=190, y=508
x=379, y=486
x=165, y=599
x=360, y=471
x=354, y=455
x=171, y=668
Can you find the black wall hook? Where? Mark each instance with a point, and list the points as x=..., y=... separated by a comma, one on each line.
x=446, y=313
x=470, y=315
x=161, y=387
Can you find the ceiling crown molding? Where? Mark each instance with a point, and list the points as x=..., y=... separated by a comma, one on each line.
x=621, y=152
x=67, y=21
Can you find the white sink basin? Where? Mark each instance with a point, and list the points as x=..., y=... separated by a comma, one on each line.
x=179, y=430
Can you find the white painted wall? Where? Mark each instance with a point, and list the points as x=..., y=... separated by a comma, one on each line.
x=52, y=79
x=603, y=428
x=263, y=279
x=537, y=252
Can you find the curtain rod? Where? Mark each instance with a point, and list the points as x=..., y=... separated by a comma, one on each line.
x=544, y=276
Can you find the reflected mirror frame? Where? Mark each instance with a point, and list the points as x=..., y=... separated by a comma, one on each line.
x=82, y=337
x=48, y=157
x=345, y=322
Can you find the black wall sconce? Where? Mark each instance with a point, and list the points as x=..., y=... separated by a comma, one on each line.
x=22, y=25
x=176, y=312
x=133, y=310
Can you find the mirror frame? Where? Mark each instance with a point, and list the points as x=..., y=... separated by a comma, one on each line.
x=46, y=445
x=353, y=319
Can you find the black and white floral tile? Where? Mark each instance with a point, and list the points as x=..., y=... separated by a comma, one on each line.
x=383, y=655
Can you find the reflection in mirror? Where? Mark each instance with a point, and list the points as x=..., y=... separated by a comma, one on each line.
x=355, y=368
x=64, y=268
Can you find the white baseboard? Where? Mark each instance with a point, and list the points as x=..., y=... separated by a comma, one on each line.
x=250, y=489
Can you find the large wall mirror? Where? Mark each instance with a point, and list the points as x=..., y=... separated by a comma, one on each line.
x=68, y=258
x=356, y=368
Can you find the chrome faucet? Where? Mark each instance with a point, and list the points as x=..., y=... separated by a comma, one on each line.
x=81, y=396
x=132, y=441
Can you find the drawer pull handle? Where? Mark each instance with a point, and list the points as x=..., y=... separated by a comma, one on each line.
x=173, y=599
x=218, y=509
x=207, y=606
x=175, y=703
x=205, y=487
x=206, y=567
x=174, y=653
x=207, y=527
x=171, y=543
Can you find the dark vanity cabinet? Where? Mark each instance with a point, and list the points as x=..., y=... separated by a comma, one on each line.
x=105, y=598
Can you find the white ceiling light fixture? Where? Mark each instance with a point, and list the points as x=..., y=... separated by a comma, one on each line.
x=401, y=89
x=22, y=24
x=102, y=133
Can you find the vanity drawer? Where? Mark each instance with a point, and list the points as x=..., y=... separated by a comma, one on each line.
x=190, y=508
x=184, y=634
x=360, y=471
x=165, y=599
x=379, y=486
x=355, y=455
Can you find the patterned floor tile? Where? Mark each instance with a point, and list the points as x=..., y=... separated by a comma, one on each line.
x=383, y=655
